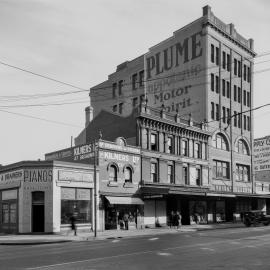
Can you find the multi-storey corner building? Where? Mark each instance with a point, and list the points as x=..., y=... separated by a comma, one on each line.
x=202, y=73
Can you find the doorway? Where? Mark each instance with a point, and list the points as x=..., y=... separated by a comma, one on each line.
x=38, y=211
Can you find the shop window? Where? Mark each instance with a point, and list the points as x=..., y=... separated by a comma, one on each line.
x=242, y=147
x=134, y=81
x=154, y=173
x=221, y=169
x=113, y=173
x=184, y=145
x=128, y=175
x=75, y=202
x=185, y=175
x=153, y=142
x=242, y=173
x=197, y=150
x=170, y=174
x=220, y=142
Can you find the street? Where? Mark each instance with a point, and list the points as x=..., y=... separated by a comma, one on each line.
x=241, y=248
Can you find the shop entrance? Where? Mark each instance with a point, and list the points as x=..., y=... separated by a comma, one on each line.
x=9, y=216
x=38, y=211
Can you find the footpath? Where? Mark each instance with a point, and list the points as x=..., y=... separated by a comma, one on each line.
x=34, y=239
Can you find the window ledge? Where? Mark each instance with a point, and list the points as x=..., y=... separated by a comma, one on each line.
x=220, y=178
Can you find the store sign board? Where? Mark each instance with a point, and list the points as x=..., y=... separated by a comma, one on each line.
x=119, y=157
x=75, y=176
x=174, y=72
x=9, y=194
x=117, y=147
x=83, y=194
x=68, y=193
x=11, y=176
x=261, y=149
x=80, y=154
x=38, y=175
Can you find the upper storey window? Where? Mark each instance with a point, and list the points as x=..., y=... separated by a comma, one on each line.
x=141, y=78
x=242, y=147
x=134, y=81
x=114, y=87
x=153, y=142
x=220, y=142
x=113, y=173
x=212, y=53
x=120, y=87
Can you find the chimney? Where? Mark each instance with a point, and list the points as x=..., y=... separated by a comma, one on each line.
x=206, y=10
x=89, y=112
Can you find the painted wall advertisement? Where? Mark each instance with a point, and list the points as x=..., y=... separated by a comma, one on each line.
x=261, y=149
x=174, y=72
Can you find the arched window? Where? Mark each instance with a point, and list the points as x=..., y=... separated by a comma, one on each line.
x=128, y=175
x=241, y=147
x=113, y=173
x=220, y=142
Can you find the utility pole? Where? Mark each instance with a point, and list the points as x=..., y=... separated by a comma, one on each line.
x=95, y=188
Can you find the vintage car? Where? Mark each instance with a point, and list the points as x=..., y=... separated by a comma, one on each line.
x=256, y=217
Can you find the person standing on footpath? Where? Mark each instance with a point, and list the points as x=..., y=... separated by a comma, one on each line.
x=73, y=226
x=171, y=221
x=178, y=219
x=126, y=220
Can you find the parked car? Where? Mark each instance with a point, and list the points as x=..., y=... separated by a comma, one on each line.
x=256, y=217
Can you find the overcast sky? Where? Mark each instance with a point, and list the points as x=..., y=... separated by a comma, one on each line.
x=80, y=43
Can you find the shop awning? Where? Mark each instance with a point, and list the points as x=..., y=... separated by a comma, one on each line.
x=124, y=200
x=221, y=195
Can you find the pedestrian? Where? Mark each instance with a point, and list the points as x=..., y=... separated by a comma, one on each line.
x=126, y=217
x=171, y=221
x=196, y=218
x=73, y=226
x=178, y=219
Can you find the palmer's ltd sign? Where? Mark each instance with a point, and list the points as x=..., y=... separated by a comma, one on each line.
x=11, y=176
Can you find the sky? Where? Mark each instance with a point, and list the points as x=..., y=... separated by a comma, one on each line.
x=81, y=43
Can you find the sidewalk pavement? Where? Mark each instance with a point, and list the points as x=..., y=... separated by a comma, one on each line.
x=33, y=239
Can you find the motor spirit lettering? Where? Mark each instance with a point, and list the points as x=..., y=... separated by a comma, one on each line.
x=39, y=175
x=181, y=52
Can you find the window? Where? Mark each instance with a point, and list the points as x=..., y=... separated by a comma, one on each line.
x=239, y=94
x=170, y=174
x=198, y=176
x=128, y=175
x=235, y=119
x=245, y=97
x=113, y=173
x=141, y=98
x=185, y=175
x=239, y=120
x=197, y=150
x=120, y=87
x=228, y=90
x=228, y=62
x=114, y=87
x=114, y=108
x=239, y=69
x=241, y=147
x=223, y=88
x=235, y=66
x=212, y=82
x=223, y=114
x=134, y=102
x=154, y=177
x=217, y=55
x=153, y=142
x=245, y=122
x=221, y=169
x=217, y=112
x=213, y=110
x=184, y=144
x=234, y=93
x=224, y=60
x=245, y=72
x=120, y=108
x=248, y=123
x=242, y=173
x=228, y=116
x=169, y=145
x=134, y=81
x=220, y=142
x=212, y=53
x=248, y=99
x=141, y=78
x=248, y=74
x=217, y=84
